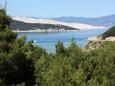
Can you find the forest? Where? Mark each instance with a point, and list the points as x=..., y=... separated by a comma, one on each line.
x=24, y=64
x=19, y=25
x=110, y=32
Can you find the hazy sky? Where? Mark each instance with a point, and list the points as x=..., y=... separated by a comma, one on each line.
x=58, y=8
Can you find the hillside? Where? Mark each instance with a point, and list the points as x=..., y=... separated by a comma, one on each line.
x=110, y=32
x=107, y=21
x=54, y=22
x=19, y=25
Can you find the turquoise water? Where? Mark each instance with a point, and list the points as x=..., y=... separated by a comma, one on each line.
x=48, y=40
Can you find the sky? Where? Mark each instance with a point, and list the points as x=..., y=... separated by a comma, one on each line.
x=60, y=8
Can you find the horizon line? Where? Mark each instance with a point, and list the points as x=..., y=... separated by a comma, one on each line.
x=63, y=16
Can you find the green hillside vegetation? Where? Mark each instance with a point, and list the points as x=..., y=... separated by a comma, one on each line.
x=18, y=25
x=110, y=32
x=24, y=64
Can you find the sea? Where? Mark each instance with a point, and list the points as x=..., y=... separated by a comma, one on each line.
x=48, y=40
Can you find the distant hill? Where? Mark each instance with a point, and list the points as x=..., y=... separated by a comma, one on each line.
x=19, y=25
x=110, y=32
x=44, y=21
x=107, y=21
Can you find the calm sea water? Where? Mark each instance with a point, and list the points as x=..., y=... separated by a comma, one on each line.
x=48, y=40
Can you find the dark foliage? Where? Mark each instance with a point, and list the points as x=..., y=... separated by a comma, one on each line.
x=18, y=25
x=110, y=32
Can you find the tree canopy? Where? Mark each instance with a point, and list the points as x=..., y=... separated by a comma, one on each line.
x=110, y=32
x=24, y=64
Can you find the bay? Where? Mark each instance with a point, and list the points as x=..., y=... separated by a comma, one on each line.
x=47, y=40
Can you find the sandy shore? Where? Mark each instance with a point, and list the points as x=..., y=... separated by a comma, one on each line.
x=51, y=21
x=61, y=30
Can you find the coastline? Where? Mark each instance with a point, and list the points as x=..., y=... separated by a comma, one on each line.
x=38, y=30
x=60, y=30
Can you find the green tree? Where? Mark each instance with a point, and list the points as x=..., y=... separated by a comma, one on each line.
x=60, y=49
x=15, y=67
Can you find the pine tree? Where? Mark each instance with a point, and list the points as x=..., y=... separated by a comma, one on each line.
x=15, y=67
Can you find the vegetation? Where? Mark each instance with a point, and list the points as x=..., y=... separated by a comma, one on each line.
x=18, y=25
x=110, y=32
x=24, y=64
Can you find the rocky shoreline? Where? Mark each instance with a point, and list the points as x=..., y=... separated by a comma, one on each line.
x=95, y=42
